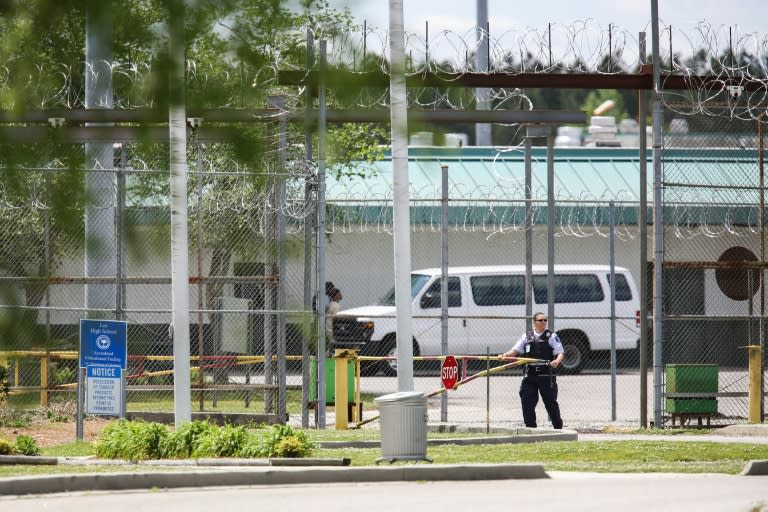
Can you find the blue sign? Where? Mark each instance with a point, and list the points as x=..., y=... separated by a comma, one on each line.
x=103, y=343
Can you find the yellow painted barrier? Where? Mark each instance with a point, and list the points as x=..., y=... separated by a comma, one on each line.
x=755, y=383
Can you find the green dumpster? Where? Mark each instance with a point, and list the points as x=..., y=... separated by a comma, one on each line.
x=330, y=381
x=692, y=378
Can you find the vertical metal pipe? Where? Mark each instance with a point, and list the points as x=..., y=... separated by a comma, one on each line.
x=482, y=58
x=610, y=46
x=200, y=287
x=309, y=226
x=99, y=160
x=121, y=295
x=282, y=147
x=48, y=265
x=612, y=258
x=551, y=230
x=528, y=230
x=444, y=282
x=761, y=167
x=402, y=224
x=322, y=299
x=761, y=221
x=642, y=222
x=658, y=223
x=179, y=229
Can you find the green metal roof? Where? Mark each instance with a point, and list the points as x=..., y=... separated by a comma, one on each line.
x=486, y=186
x=582, y=174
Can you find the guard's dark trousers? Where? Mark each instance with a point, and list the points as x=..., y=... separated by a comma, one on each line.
x=545, y=384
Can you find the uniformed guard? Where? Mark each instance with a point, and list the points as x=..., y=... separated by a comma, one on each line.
x=539, y=378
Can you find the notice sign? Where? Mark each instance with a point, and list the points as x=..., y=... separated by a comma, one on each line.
x=104, y=390
x=103, y=343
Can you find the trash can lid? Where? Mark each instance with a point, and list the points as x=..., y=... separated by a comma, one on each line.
x=400, y=396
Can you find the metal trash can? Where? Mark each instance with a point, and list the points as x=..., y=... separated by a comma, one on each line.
x=403, y=419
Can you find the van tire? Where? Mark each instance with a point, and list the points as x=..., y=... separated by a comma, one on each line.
x=386, y=367
x=576, y=347
x=389, y=367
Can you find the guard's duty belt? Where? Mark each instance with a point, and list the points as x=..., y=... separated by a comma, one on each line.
x=538, y=368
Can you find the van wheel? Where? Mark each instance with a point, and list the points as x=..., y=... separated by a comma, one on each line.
x=576, y=352
x=389, y=366
x=385, y=348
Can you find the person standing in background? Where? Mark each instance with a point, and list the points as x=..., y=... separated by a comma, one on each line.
x=333, y=307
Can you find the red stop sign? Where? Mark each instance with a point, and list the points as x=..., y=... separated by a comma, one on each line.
x=449, y=372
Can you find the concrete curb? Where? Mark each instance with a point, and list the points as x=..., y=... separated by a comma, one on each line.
x=226, y=462
x=266, y=476
x=519, y=435
x=33, y=460
x=747, y=429
x=755, y=467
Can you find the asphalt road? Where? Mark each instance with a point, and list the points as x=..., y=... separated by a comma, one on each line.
x=571, y=492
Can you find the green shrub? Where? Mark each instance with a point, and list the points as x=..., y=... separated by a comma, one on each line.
x=139, y=440
x=224, y=441
x=292, y=446
x=63, y=375
x=26, y=445
x=182, y=442
x=131, y=440
x=6, y=447
x=55, y=415
x=268, y=444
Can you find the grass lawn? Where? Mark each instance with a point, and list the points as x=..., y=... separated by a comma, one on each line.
x=619, y=456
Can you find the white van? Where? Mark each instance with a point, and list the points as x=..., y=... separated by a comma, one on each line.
x=486, y=313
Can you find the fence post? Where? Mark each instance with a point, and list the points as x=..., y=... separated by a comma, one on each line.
x=755, y=383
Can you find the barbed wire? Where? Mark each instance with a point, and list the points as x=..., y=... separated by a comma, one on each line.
x=737, y=61
x=733, y=58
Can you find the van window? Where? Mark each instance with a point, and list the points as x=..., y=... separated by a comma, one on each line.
x=623, y=292
x=569, y=288
x=417, y=283
x=501, y=290
x=431, y=298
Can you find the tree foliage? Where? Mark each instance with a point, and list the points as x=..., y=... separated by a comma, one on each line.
x=232, y=53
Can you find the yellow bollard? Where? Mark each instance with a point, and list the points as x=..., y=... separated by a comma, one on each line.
x=357, y=413
x=755, y=383
x=342, y=400
x=341, y=377
x=44, y=381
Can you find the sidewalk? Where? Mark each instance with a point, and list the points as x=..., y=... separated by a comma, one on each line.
x=747, y=433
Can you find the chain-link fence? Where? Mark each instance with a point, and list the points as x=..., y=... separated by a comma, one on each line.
x=714, y=254
x=102, y=250
x=252, y=328
x=108, y=256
